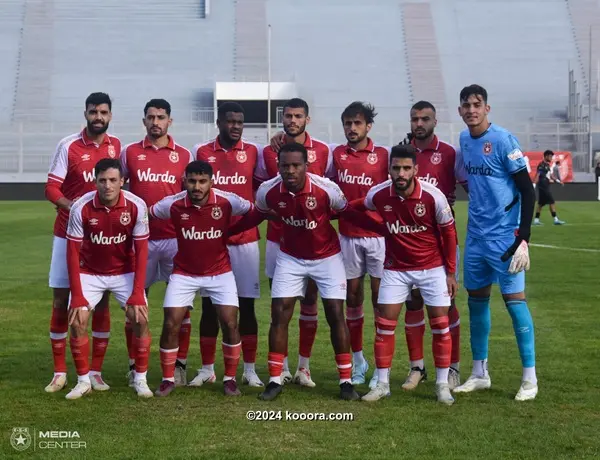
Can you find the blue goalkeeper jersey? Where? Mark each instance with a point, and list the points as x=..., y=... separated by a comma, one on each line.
x=494, y=200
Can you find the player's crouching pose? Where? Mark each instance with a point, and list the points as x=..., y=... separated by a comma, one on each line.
x=107, y=250
x=201, y=216
x=419, y=222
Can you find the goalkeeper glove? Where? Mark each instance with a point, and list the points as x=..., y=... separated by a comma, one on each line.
x=519, y=251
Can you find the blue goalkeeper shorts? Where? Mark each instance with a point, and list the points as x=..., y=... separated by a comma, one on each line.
x=482, y=265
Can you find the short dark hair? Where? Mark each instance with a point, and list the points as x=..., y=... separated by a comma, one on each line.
x=473, y=90
x=158, y=104
x=422, y=105
x=293, y=147
x=296, y=103
x=226, y=107
x=108, y=163
x=548, y=152
x=404, y=151
x=360, y=108
x=199, y=167
x=97, y=99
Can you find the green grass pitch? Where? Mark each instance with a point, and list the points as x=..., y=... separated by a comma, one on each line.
x=564, y=421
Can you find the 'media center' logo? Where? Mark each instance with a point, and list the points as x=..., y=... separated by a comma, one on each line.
x=21, y=439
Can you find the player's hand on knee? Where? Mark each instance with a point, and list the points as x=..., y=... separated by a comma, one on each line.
x=77, y=315
x=140, y=313
x=520, y=259
x=452, y=285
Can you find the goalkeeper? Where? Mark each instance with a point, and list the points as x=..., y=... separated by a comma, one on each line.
x=501, y=201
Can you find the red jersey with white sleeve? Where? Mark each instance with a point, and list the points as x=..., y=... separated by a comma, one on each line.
x=234, y=171
x=320, y=162
x=420, y=228
x=201, y=230
x=438, y=166
x=307, y=232
x=356, y=172
x=155, y=173
x=107, y=234
x=71, y=173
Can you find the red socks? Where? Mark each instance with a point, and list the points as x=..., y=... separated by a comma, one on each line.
x=142, y=353
x=249, y=347
x=100, y=336
x=167, y=363
x=275, y=366
x=385, y=342
x=308, y=328
x=80, y=349
x=355, y=319
x=442, y=343
x=414, y=327
x=208, y=350
x=231, y=357
x=344, y=366
x=59, y=327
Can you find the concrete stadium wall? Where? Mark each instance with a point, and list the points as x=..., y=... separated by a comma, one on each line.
x=35, y=192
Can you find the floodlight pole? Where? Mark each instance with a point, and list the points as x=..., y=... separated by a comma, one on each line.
x=590, y=150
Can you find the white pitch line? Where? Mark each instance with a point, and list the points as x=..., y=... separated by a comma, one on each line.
x=549, y=246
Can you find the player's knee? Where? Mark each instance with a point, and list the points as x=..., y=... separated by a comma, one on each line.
x=354, y=299
x=515, y=296
x=79, y=327
x=229, y=326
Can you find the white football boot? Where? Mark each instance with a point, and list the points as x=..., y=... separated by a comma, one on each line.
x=302, y=378
x=57, y=384
x=527, y=392
x=474, y=383
x=81, y=389
x=204, y=376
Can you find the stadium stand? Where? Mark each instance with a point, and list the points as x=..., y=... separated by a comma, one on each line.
x=391, y=55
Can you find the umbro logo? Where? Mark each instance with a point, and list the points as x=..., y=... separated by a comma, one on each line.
x=282, y=204
x=93, y=221
x=141, y=157
x=86, y=157
x=185, y=216
x=212, y=159
x=387, y=208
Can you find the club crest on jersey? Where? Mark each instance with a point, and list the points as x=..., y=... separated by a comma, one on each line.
x=111, y=151
x=312, y=156
x=174, y=156
x=487, y=148
x=420, y=209
x=93, y=221
x=141, y=157
x=125, y=218
x=372, y=158
x=216, y=213
x=185, y=216
x=85, y=157
x=241, y=156
x=436, y=158
x=311, y=202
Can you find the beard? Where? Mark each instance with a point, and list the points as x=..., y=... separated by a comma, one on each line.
x=301, y=129
x=422, y=135
x=96, y=130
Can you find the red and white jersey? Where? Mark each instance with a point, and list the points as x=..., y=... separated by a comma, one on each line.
x=413, y=241
x=155, y=173
x=201, y=230
x=72, y=169
x=234, y=171
x=438, y=166
x=320, y=162
x=306, y=232
x=356, y=172
x=107, y=234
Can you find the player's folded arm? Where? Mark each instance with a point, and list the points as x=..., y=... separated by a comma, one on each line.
x=250, y=220
x=355, y=213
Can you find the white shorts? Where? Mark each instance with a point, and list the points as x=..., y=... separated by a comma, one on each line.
x=396, y=286
x=94, y=287
x=457, y=269
x=245, y=264
x=362, y=256
x=182, y=290
x=271, y=251
x=160, y=260
x=59, y=274
x=292, y=274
